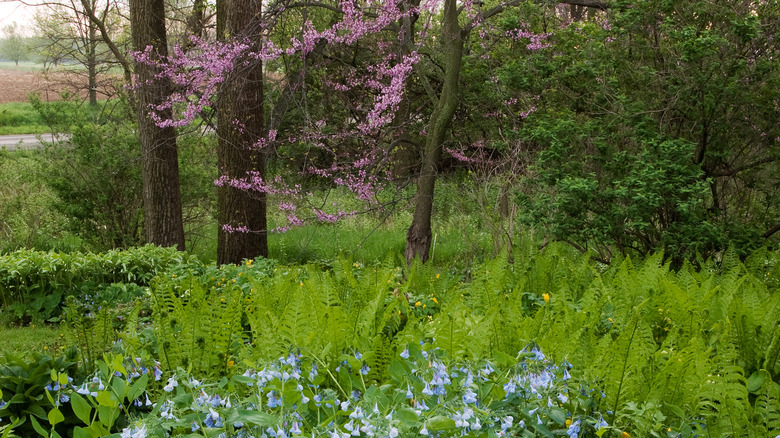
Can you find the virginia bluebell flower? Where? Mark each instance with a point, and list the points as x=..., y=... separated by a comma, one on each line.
x=573, y=429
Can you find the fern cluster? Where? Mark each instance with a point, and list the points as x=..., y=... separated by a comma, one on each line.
x=689, y=349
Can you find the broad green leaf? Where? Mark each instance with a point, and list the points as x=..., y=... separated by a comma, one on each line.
x=55, y=417
x=48, y=396
x=81, y=408
x=138, y=387
x=38, y=428
x=755, y=381
x=62, y=379
x=107, y=416
x=97, y=430
x=118, y=365
x=79, y=432
x=440, y=422
x=244, y=379
x=183, y=399
x=399, y=370
x=119, y=387
x=104, y=399
x=542, y=429
x=558, y=415
x=254, y=417
x=408, y=417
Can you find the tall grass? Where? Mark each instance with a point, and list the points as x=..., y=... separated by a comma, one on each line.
x=21, y=118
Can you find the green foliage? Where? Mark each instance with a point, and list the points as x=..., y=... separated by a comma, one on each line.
x=26, y=402
x=20, y=118
x=636, y=202
x=94, y=168
x=686, y=350
x=645, y=128
x=13, y=44
x=27, y=216
x=34, y=284
x=95, y=171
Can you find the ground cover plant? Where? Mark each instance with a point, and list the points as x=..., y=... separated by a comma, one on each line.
x=35, y=284
x=552, y=344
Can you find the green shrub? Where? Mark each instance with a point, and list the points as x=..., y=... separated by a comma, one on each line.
x=27, y=216
x=24, y=387
x=34, y=284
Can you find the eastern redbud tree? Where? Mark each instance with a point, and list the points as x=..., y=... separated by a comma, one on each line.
x=365, y=92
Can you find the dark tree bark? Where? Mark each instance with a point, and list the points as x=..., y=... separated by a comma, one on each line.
x=160, y=172
x=196, y=22
x=240, y=123
x=418, y=238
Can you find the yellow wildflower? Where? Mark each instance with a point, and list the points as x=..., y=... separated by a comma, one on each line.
x=546, y=298
x=435, y=300
x=417, y=304
x=625, y=435
x=230, y=363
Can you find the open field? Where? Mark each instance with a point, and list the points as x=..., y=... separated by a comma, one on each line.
x=17, y=83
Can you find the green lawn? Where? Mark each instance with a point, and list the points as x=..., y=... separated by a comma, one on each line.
x=33, y=338
x=21, y=118
x=23, y=66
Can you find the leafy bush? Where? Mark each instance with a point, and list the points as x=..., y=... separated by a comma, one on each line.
x=25, y=401
x=34, y=284
x=603, y=197
x=95, y=170
x=27, y=216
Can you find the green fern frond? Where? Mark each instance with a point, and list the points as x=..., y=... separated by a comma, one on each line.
x=767, y=406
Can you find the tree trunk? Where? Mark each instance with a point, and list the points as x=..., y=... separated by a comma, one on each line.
x=196, y=22
x=418, y=238
x=160, y=172
x=240, y=124
x=92, y=64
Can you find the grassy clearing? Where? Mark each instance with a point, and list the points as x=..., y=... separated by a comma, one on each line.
x=22, y=66
x=21, y=118
x=26, y=340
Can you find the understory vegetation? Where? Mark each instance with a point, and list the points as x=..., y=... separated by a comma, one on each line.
x=550, y=344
